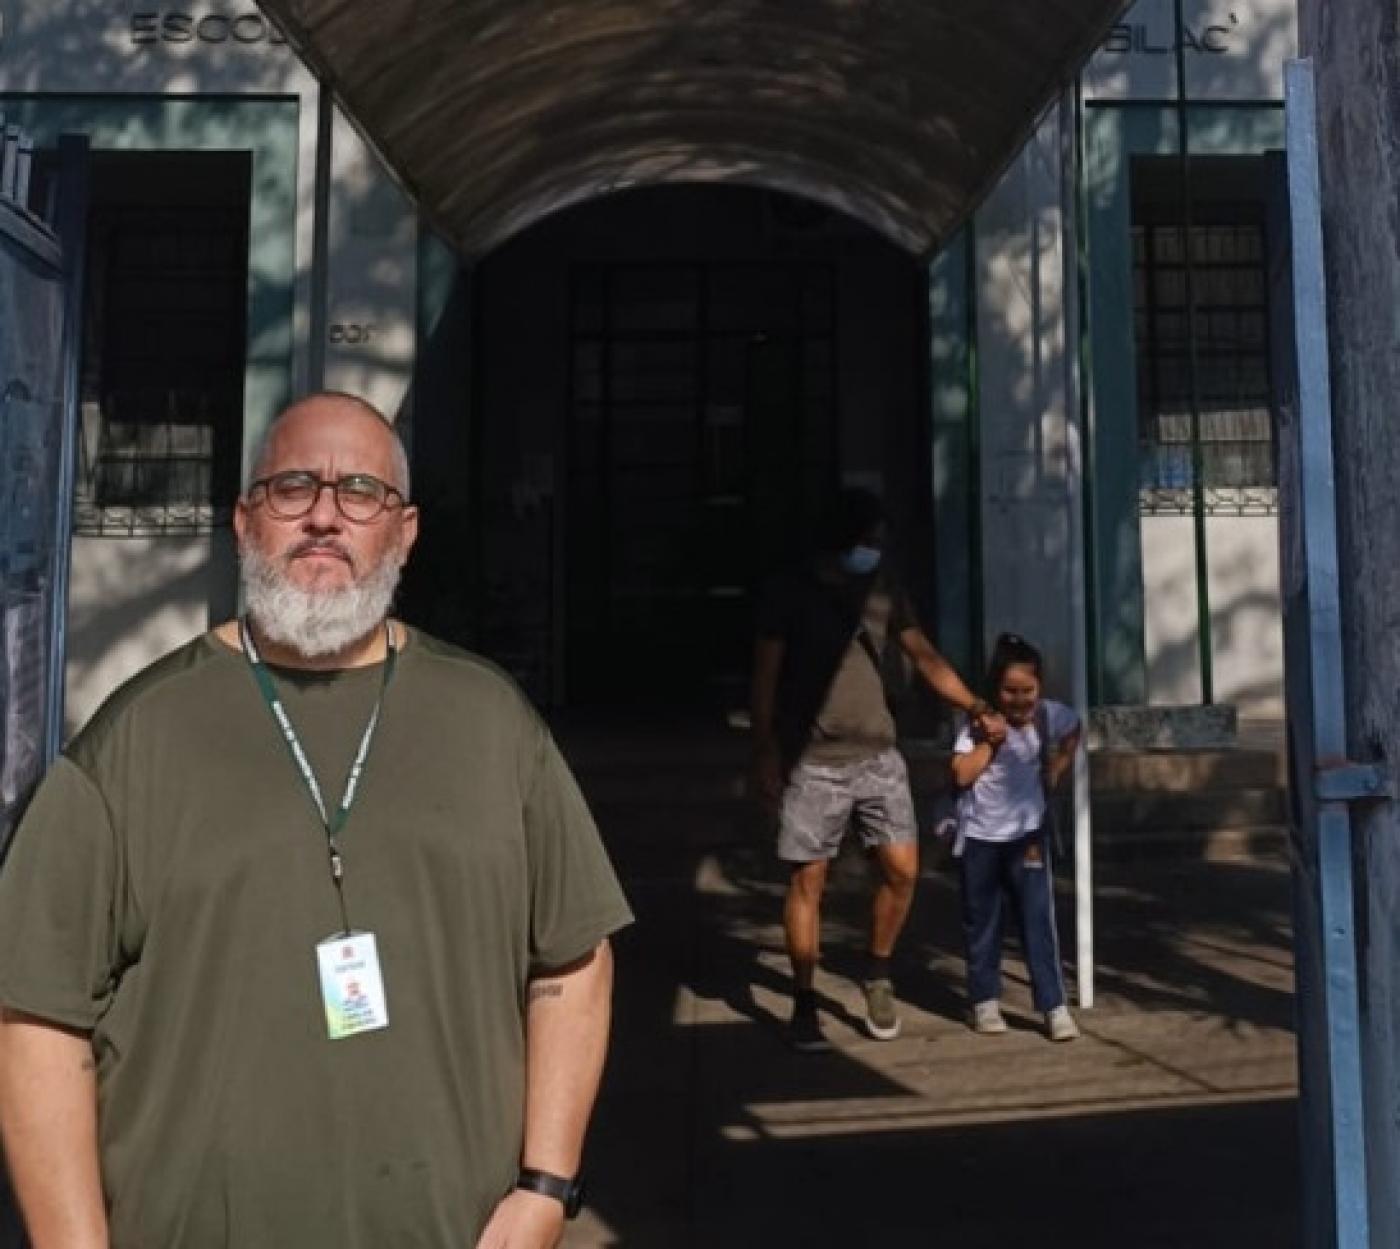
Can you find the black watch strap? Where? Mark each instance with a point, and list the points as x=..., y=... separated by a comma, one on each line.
x=568, y=1192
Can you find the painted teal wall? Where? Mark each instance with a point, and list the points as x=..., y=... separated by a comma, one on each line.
x=1113, y=136
x=954, y=464
x=266, y=128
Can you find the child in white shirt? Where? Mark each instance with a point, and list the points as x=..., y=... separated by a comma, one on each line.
x=1003, y=832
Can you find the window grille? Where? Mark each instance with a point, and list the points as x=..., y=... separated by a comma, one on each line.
x=162, y=373
x=1230, y=282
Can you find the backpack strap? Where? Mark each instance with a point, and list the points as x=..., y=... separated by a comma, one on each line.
x=1041, y=720
x=867, y=644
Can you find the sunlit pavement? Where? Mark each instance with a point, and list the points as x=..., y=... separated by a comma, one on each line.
x=1170, y=1124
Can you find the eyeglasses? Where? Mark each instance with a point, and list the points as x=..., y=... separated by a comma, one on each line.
x=359, y=497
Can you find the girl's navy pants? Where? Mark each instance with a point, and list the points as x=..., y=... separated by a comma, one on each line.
x=1015, y=875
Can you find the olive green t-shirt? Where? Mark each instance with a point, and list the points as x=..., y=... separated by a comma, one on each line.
x=855, y=722
x=167, y=890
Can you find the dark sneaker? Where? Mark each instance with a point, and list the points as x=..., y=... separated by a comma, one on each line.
x=881, y=1018
x=805, y=1033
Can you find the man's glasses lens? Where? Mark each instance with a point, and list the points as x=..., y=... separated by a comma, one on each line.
x=359, y=497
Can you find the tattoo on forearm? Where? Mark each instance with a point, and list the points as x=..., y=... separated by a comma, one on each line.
x=549, y=989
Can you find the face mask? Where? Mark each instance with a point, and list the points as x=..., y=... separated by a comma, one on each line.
x=860, y=560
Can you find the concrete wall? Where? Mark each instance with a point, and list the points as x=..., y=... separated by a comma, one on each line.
x=371, y=278
x=1143, y=572
x=1235, y=50
x=342, y=315
x=351, y=322
x=1113, y=136
x=1024, y=406
x=956, y=498
x=132, y=600
x=113, y=624
x=1235, y=54
x=1245, y=608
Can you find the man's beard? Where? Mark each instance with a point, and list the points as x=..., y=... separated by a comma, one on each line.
x=316, y=623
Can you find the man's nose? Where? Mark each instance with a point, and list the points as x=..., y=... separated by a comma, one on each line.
x=325, y=513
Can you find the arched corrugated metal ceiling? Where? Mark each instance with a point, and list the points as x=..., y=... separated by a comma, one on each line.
x=495, y=113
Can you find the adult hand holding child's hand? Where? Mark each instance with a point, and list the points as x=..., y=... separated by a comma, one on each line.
x=993, y=727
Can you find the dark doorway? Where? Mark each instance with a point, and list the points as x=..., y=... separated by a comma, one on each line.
x=667, y=385
x=702, y=435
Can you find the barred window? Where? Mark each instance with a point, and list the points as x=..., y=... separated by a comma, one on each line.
x=1230, y=283
x=164, y=343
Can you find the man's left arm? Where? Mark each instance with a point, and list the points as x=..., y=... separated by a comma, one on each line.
x=940, y=675
x=568, y=1013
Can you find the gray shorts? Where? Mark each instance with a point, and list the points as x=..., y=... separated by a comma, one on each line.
x=822, y=800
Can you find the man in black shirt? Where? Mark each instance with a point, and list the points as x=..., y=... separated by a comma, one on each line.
x=824, y=741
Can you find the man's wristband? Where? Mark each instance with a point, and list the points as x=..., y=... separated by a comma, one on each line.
x=568, y=1192
x=978, y=709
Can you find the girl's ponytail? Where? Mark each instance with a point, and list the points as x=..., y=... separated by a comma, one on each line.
x=1009, y=649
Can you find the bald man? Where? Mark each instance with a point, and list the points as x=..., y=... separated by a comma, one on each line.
x=304, y=939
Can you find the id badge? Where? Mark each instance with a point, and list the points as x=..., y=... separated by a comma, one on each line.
x=352, y=986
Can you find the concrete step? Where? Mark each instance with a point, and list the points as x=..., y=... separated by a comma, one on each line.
x=1191, y=778
x=1151, y=770
x=1266, y=843
x=668, y=794
x=664, y=836
x=718, y=766
x=1185, y=770
x=1201, y=809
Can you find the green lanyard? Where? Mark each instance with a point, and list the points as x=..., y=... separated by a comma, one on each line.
x=333, y=824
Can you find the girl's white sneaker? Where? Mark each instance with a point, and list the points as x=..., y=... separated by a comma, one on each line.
x=986, y=1018
x=1060, y=1025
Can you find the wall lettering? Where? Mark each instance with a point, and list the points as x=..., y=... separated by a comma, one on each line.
x=174, y=27
x=1135, y=37
x=353, y=333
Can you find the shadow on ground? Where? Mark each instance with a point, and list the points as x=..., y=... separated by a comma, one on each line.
x=1172, y=1124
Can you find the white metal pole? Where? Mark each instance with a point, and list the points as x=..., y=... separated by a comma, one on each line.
x=1083, y=866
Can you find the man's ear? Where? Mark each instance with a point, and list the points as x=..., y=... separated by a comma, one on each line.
x=408, y=530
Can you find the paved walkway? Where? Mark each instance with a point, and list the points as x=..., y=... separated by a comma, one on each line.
x=1171, y=1124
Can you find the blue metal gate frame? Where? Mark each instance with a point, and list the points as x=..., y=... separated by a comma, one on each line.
x=49, y=244
x=1325, y=781
x=71, y=225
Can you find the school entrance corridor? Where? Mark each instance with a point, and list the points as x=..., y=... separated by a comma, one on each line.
x=1172, y=1123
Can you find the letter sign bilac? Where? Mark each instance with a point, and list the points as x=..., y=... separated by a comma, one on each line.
x=1136, y=37
x=1120, y=39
